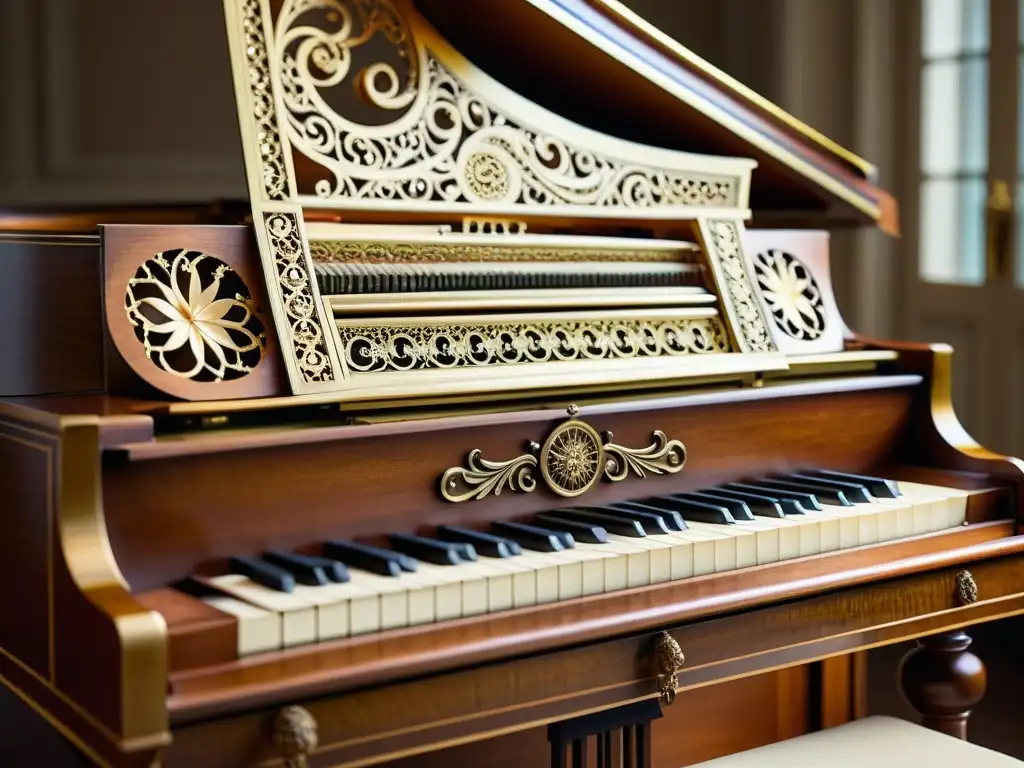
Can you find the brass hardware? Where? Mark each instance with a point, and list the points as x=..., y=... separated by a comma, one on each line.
x=966, y=588
x=482, y=478
x=998, y=231
x=295, y=734
x=572, y=459
x=662, y=456
x=669, y=659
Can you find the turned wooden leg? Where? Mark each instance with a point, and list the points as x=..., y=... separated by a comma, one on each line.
x=943, y=682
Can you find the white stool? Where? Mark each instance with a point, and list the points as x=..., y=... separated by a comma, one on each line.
x=874, y=742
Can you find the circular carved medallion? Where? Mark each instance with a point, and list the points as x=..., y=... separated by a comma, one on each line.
x=572, y=458
x=792, y=295
x=195, y=316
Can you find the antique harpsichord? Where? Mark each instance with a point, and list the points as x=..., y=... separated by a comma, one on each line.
x=519, y=412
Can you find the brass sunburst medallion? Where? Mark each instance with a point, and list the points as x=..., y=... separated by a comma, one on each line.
x=572, y=458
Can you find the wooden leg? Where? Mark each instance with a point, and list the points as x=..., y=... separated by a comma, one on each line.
x=943, y=681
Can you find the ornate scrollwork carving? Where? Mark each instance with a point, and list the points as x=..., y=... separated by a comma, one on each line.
x=264, y=111
x=482, y=478
x=432, y=139
x=416, y=347
x=195, y=317
x=662, y=456
x=791, y=293
x=571, y=460
x=298, y=300
x=725, y=249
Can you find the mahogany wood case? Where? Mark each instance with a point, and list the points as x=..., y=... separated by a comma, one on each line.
x=602, y=280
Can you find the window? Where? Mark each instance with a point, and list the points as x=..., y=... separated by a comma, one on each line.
x=954, y=140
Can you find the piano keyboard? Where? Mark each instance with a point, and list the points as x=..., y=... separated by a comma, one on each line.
x=282, y=600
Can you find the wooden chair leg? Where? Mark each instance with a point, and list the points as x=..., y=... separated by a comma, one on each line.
x=943, y=682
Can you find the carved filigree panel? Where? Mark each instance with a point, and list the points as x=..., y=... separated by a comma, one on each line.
x=195, y=317
x=735, y=288
x=794, y=286
x=791, y=293
x=262, y=108
x=299, y=315
x=379, y=348
x=419, y=134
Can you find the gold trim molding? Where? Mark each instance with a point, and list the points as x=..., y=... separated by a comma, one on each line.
x=571, y=460
x=387, y=347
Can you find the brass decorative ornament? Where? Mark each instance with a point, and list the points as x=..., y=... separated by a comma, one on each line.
x=668, y=659
x=482, y=478
x=573, y=457
x=966, y=588
x=662, y=456
x=295, y=735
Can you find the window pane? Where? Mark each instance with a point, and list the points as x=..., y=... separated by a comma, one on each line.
x=954, y=110
x=940, y=117
x=976, y=29
x=954, y=27
x=953, y=231
x=974, y=115
x=972, y=231
x=942, y=27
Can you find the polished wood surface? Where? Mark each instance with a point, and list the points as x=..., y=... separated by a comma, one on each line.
x=51, y=339
x=222, y=492
x=394, y=468
x=943, y=681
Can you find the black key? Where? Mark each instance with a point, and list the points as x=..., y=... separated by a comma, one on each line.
x=336, y=572
x=854, y=492
x=427, y=550
x=737, y=508
x=589, y=534
x=564, y=537
x=701, y=511
x=806, y=501
x=463, y=549
x=820, y=492
x=650, y=521
x=530, y=536
x=263, y=573
x=673, y=520
x=620, y=526
x=484, y=543
x=879, y=487
x=313, y=571
x=383, y=562
x=762, y=506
